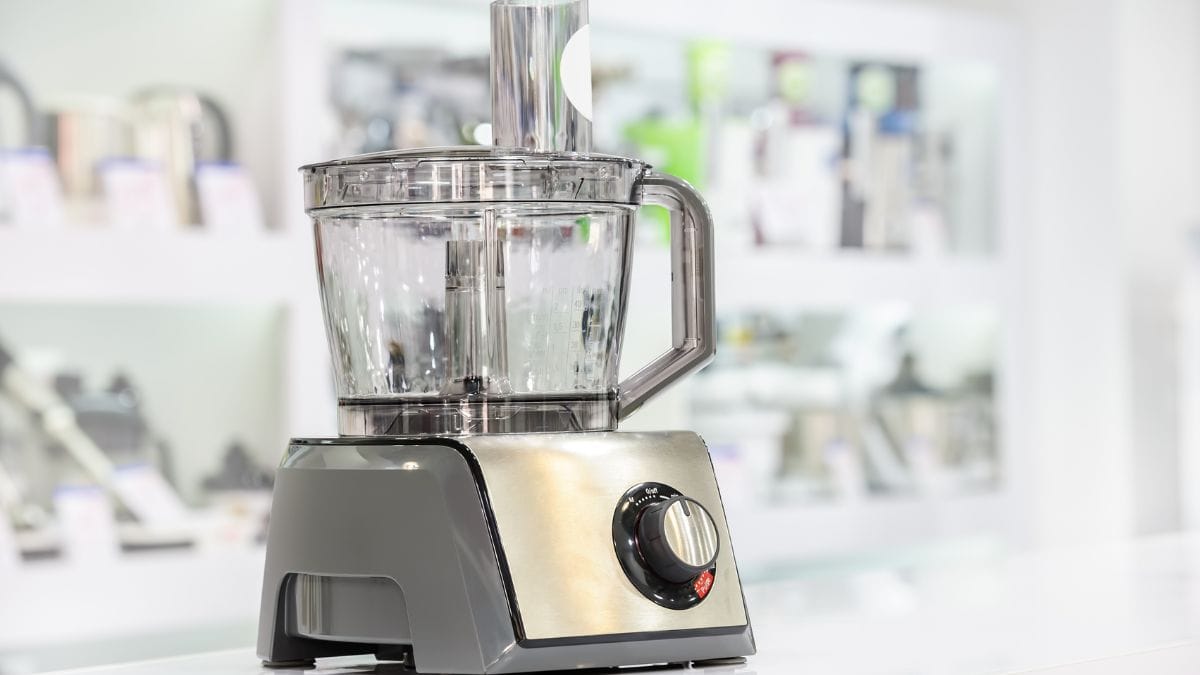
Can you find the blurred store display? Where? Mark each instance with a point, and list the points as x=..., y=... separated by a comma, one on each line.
x=800, y=151
x=816, y=162
x=84, y=473
x=239, y=492
x=180, y=130
x=160, y=158
x=238, y=472
x=843, y=406
x=796, y=194
x=772, y=127
x=18, y=123
x=91, y=460
x=411, y=97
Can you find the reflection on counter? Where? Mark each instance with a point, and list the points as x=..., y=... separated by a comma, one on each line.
x=845, y=406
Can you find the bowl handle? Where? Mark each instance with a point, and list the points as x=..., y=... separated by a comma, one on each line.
x=692, y=301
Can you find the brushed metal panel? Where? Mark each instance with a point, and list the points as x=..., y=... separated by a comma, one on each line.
x=554, y=496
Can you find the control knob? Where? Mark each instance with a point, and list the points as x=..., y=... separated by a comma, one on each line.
x=677, y=539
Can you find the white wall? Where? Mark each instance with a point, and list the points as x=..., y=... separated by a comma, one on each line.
x=1115, y=111
x=1158, y=48
x=1076, y=295
x=1114, y=115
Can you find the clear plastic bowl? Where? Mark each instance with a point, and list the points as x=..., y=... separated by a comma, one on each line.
x=481, y=290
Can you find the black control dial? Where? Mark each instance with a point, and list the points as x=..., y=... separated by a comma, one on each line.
x=667, y=544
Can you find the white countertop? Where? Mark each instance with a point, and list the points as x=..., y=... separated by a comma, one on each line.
x=1126, y=608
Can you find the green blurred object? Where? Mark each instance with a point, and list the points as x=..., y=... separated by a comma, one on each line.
x=672, y=146
x=793, y=78
x=678, y=146
x=876, y=89
x=708, y=71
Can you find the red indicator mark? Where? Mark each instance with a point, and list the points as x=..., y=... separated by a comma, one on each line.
x=703, y=583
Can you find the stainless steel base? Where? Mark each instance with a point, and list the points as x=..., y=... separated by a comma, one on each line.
x=488, y=554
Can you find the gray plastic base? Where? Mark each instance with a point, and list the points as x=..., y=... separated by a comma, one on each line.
x=380, y=546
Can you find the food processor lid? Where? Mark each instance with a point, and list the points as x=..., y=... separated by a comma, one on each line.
x=467, y=174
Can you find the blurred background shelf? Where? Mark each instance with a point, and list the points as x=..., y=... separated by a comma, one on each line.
x=156, y=267
x=770, y=537
x=786, y=280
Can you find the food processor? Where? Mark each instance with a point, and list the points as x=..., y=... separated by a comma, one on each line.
x=479, y=512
